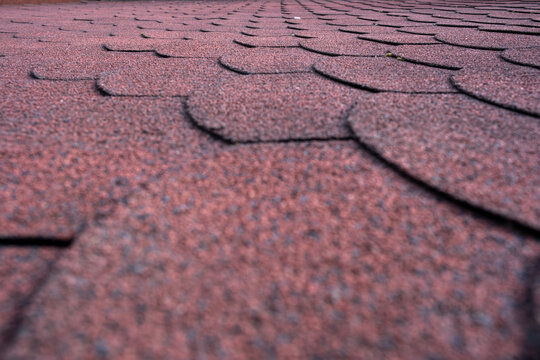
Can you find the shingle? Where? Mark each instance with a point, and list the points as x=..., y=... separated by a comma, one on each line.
x=267, y=41
x=476, y=152
x=253, y=246
x=197, y=49
x=213, y=180
x=487, y=40
x=272, y=107
x=340, y=44
x=268, y=60
x=385, y=74
x=159, y=77
x=400, y=39
x=523, y=56
x=443, y=55
x=504, y=84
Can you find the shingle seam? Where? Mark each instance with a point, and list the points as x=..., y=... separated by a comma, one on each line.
x=36, y=241
x=425, y=63
x=201, y=128
x=481, y=98
x=321, y=52
x=470, y=46
x=502, y=31
x=512, y=224
x=243, y=72
x=375, y=90
x=395, y=43
x=104, y=92
x=294, y=140
x=517, y=62
x=229, y=141
x=36, y=76
x=239, y=42
x=9, y=336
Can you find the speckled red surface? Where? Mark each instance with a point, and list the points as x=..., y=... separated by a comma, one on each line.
x=270, y=180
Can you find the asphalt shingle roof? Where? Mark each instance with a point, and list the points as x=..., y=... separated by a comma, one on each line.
x=270, y=179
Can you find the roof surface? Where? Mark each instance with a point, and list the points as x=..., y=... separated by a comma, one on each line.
x=270, y=179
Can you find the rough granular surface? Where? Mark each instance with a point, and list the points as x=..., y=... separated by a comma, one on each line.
x=291, y=179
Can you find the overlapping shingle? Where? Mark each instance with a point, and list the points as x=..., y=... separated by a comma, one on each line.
x=272, y=107
x=487, y=40
x=201, y=170
x=511, y=86
x=340, y=44
x=196, y=49
x=524, y=56
x=253, y=246
x=444, y=56
x=267, y=41
x=80, y=63
x=511, y=29
x=419, y=30
x=159, y=77
x=476, y=152
x=268, y=60
x=400, y=39
x=134, y=44
x=60, y=164
x=385, y=74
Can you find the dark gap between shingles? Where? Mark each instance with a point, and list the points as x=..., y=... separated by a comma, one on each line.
x=242, y=72
x=374, y=90
x=424, y=63
x=37, y=241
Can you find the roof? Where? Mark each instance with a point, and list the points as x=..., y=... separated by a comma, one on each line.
x=270, y=179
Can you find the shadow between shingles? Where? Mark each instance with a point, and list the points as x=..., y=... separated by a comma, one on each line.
x=39, y=241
